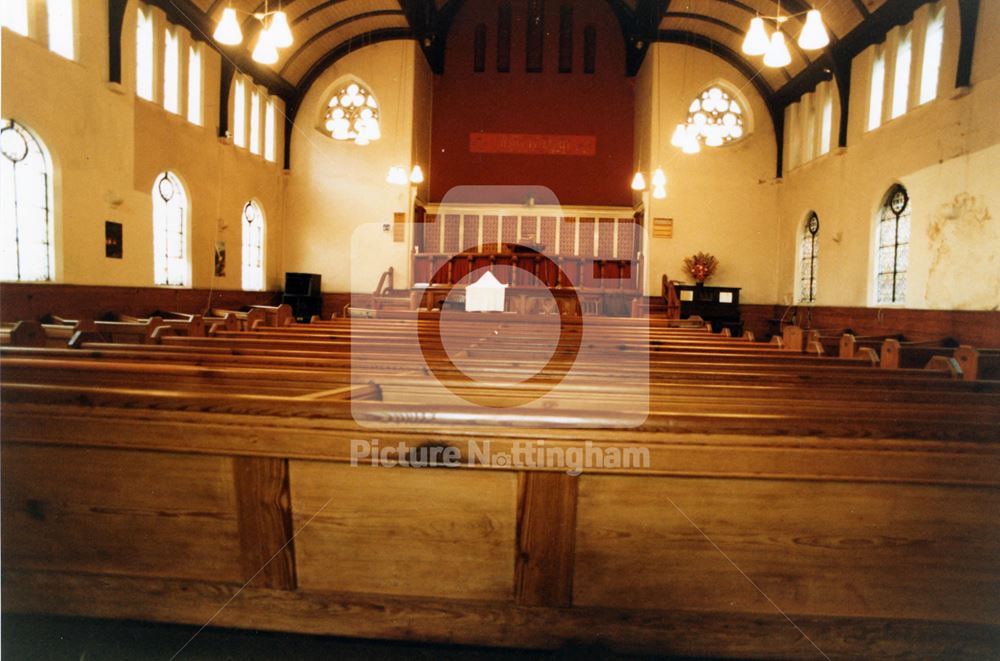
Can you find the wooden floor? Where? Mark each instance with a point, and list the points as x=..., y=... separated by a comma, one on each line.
x=45, y=638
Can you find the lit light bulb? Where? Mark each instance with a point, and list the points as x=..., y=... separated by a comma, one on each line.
x=228, y=31
x=397, y=176
x=813, y=35
x=660, y=192
x=265, y=52
x=659, y=179
x=416, y=175
x=756, y=40
x=638, y=182
x=691, y=144
x=777, y=53
x=280, y=32
x=680, y=134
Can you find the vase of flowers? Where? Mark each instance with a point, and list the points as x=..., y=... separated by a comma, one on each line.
x=701, y=266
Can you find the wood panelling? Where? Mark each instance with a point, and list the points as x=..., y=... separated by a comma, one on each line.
x=33, y=300
x=586, y=245
x=877, y=550
x=538, y=100
x=442, y=533
x=120, y=512
x=979, y=328
x=265, y=521
x=567, y=237
x=546, y=529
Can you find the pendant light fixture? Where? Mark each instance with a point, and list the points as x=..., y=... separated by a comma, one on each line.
x=396, y=176
x=228, y=30
x=265, y=52
x=274, y=32
x=777, y=54
x=281, y=34
x=774, y=47
x=756, y=41
x=639, y=182
x=814, y=35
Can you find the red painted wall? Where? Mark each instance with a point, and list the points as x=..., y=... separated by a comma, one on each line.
x=549, y=102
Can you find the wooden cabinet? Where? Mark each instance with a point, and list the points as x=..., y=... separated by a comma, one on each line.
x=718, y=305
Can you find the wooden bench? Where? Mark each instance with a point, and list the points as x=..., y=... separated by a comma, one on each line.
x=859, y=500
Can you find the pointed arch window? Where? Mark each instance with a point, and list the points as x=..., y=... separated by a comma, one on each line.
x=717, y=117
x=893, y=246
x=253, y=247
x=353, y=114
x=808, y=256
x=171, y=265
x=25, y=205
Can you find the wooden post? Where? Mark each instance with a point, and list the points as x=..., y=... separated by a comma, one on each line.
x=890, y=354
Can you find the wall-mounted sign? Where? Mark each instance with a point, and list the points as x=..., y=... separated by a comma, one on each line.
x=533, y=144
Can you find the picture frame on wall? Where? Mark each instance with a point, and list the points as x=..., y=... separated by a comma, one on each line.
x=113, y=240
x=220, y=259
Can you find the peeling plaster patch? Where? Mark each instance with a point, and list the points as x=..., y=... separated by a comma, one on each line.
x=964, y=245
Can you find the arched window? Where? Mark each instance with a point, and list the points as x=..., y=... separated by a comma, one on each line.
x=253, y=247
x=171, y=265
x=25, y=204
x=893, y=246
x=716, y=117
x=352, y=114
x=808, y=254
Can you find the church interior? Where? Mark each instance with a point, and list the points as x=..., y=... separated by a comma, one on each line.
x=495, y=328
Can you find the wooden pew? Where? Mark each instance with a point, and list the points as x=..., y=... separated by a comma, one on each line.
x=857, y=499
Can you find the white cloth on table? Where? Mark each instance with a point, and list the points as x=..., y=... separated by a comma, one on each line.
x=485, y=295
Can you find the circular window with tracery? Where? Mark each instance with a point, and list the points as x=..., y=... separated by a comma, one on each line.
x=716, y=118
x=353, y=114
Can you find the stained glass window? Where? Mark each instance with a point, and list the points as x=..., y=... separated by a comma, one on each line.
x=893, y=246
x=808, y=255
x=25, y=237
x=170, y=218
x=716, y=117
x=353, y=114
x=253, y=247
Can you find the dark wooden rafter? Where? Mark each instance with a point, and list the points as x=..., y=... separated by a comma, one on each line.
x=840, y=54
x=730, y=28
x=968, y=11
x=429, y=27
x=116, y=18
x=301, y=48
x=738, y=62
x=187, y=14
x=642, y=31
x=226, y=75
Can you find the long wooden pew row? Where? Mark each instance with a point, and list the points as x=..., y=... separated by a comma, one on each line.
x=161, y=507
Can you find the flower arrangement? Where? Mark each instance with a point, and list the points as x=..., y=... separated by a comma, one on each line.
x=701, y=267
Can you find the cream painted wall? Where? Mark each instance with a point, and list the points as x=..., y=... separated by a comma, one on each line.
x=337, y=197
x=946, y=153
x=107, y=146
x=723, y=200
